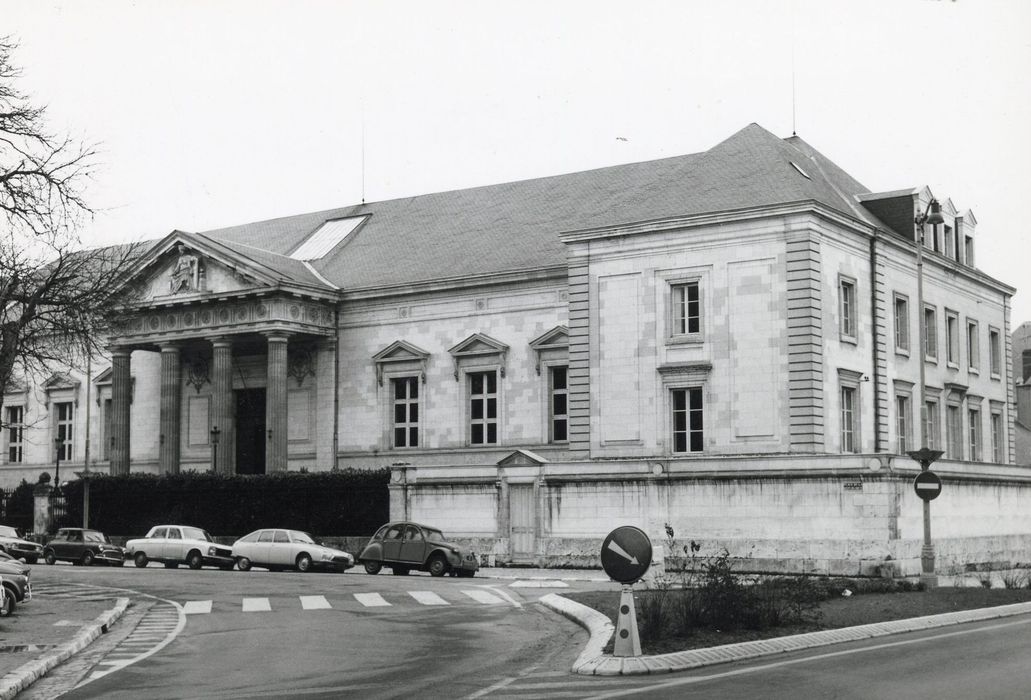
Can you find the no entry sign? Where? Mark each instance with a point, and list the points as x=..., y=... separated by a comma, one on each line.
x=626, y=554
x=927, y=485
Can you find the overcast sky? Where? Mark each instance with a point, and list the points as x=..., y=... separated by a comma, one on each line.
x=216, y=113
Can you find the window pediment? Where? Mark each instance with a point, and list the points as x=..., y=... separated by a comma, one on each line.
x=400, y=354
x=696, y=371
x=522, y=458
x=478, y=347
x=553, y=343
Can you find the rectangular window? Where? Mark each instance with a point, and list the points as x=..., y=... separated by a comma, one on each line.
x=558, y=416
x=483, y=408
x=901, y=323
x=849, y=420
x=848, y=308
x=686, y=308
x=951, y=338
x=688, y=416
x=15, y=433
x=902, y=411
x=994, y=352
x=974, y=428
x=406, y=411
x=968, y=251
x=973, y=347
x=953, y=432
x=64, y=416
x=950, y=243
x=930, y=333
x=997, y=438
x=931, y=428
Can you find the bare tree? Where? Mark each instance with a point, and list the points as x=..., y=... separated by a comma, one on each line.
x=54, y=295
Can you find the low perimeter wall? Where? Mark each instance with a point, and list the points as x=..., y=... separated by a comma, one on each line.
x=854, y=522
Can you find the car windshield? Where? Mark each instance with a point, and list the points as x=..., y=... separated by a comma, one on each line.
x=8, y=531
x=302, y=537
x=435, y=535
x=95, y=537
x=195, y=533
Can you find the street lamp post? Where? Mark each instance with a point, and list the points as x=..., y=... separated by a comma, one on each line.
x=59, y=445
x=215, y=432
x=931, y=215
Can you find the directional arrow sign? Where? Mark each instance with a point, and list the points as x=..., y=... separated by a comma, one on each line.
x=927, y=485
x=626, y=554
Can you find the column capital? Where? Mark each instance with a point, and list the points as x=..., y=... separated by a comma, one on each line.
x=276, y=336
x=221, y=341
x=170, y=346
x=119, y=350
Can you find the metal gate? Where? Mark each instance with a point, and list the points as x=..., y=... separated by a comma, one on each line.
x=58, y=511
x=522, y=512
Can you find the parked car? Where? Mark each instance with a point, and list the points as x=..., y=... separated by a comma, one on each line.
x=14, y=577
x=16, y=564
x=179, y=544
x=81, y=546
x=404, y=546
x=282, y=549
x=14, y=543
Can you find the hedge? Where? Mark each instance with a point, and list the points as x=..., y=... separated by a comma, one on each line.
x=334, y=503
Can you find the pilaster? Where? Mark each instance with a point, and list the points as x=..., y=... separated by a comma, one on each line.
x=276, y=404
x=171, y=402
x=121, y=385
x=222, y=405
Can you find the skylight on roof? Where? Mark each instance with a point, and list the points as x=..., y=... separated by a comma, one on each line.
x=326, y=238
x=799, y=169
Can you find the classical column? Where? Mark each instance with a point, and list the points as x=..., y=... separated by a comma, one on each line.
x=222, y=410
x=171, y=400
x=121, y=389
x=275, y=404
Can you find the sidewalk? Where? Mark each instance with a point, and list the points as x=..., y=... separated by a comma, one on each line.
x=516, y=573
x=43, y=633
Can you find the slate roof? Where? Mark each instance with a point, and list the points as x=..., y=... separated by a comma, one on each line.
x=514, y=226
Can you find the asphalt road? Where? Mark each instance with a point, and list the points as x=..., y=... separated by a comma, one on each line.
x=260, y=634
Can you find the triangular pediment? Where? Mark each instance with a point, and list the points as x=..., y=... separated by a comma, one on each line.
x=522, y=458
x=400, y=351
x=557, y=337
x=104, y=377
x=16, y=386
x=183, y=266
x=478, y=344
x=60, y=380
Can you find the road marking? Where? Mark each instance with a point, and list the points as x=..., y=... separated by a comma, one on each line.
x=371, y=600
x=428, y=598
x=192, y=607
x=538, y=583
x=256, y=605
x=314, y=602
x=175, y=621
x=483, y=597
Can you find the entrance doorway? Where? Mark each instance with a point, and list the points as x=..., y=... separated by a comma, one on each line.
x=250, y=431
x=522, y=514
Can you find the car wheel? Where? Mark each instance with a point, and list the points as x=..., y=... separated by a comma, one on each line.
x=373, y=567
x=140, y=560
x=400, y=570
x=49, y=558
x=171, y=565
x=303, y=562
x=87, y=558
x=243, y=564
x=195, y=560
x=438, y=565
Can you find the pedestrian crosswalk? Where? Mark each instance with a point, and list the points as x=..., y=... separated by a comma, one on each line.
x=355, y=601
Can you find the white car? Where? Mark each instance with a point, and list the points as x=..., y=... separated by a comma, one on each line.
x=12, y=542
x=285, y=549
x=179, y=544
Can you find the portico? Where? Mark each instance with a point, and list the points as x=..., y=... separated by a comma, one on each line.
x=229, y=344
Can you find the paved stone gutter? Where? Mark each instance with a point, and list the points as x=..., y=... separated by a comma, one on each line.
x=593, y=662
x=28, y=673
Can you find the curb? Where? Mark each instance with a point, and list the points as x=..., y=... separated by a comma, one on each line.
x=592, y=662
x=28, y=673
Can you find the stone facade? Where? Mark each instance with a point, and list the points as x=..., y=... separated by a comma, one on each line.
x=739, y=358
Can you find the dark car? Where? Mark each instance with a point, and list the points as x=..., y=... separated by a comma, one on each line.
x=15, y=580
x=81, y=546
x=14, y=543
x=404, y=546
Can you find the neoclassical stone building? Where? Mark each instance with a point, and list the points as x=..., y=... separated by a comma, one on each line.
x=728, y=342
